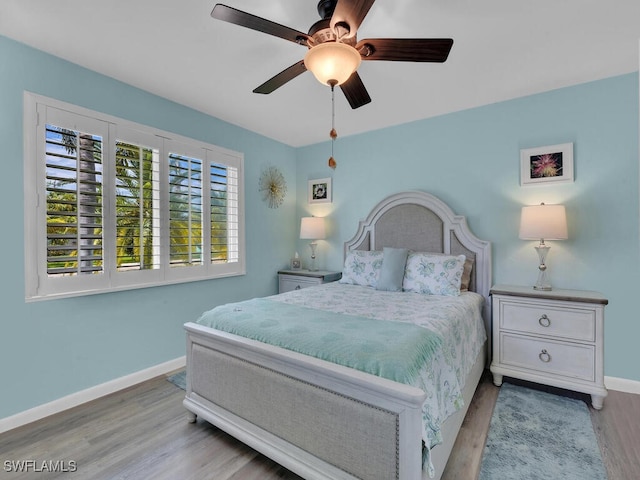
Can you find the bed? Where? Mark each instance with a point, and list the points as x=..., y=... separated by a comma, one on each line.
x=324, y=420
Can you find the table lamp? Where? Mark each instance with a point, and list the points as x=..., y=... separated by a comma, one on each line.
x=540, y=222
x=312, y=228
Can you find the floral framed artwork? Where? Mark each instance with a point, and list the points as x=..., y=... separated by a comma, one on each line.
x=551, y=164
x=320, y=190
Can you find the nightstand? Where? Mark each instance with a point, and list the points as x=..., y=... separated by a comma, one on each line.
x=296, y=279
x=551, y=337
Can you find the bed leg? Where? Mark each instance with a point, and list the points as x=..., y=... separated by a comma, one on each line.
x=191, y=417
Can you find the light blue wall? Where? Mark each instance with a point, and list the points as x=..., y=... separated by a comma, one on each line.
x=54, y=348
x=470, y=160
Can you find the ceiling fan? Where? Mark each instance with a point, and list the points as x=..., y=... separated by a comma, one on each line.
x=334, y=53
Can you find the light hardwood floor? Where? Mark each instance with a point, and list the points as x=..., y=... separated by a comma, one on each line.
x=142, y=433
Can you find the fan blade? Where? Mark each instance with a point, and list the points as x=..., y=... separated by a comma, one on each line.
x=244, y=19
x=355, y=91
x=405, y=49
x=351, y=12
x=283, y=77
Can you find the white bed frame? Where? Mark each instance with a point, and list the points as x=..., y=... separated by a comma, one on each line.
x=325, y=421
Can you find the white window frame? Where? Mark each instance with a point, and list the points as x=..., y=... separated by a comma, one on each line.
x=38, y=110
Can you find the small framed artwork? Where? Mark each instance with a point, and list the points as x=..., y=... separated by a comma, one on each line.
x=320, y=190
x=551, y=164
x=295, y=263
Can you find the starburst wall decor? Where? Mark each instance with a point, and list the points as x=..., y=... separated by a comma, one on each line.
x=272, y=186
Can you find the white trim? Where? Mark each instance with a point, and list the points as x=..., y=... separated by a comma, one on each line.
x=622, y=384
x=90, y=394
x=112, y=386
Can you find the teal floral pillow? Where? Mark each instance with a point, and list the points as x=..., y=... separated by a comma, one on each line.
x=433, y=274
x=362, y=268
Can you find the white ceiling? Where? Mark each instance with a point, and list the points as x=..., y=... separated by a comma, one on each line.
x=502, y=49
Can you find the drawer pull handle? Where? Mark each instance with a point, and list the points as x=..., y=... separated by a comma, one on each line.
x=544, y=356
x=298, y=287
x=544, y=320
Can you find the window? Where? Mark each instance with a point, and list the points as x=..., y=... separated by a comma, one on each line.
x=73, y=185
x=185, y=210
x=113, y=205
x=137, y=195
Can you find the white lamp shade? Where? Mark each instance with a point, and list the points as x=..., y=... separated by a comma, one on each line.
x=548, y=222
x=332, y=61
x=312, y=228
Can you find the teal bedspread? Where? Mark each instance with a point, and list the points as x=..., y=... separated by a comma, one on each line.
x=396, y=351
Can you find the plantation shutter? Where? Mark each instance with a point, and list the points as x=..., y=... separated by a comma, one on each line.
x=137, y=196
x=223, y=184
x=67, y=249
x=185, y=210
x=74, y=202
x=113, y=205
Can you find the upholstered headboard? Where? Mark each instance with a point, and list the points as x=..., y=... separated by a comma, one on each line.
x=422, y=222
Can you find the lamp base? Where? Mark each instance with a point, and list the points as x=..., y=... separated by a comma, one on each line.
x=313, y=267
x=542, y=283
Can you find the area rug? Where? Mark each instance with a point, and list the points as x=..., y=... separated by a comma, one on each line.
x=179, y=379
x=538, y=435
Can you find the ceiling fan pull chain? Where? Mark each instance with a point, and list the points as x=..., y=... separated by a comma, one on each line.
x=333, y=134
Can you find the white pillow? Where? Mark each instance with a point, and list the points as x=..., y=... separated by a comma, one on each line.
x=362, y=268
x=433, y=274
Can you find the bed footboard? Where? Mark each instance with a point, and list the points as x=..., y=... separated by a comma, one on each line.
x=324, y=421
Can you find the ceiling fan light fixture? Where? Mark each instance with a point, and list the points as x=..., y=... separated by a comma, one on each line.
x=332, y=62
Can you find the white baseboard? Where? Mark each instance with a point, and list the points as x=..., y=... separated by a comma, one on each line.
x=622, y=385
x=93, y=393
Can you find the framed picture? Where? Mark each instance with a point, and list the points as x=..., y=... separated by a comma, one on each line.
x=551, y=164
x=320, y=190
x=295, y=263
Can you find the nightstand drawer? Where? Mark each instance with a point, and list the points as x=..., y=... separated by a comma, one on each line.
x=289, y=280
x=292, y=282
x=549, y=320
x=548, y=356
